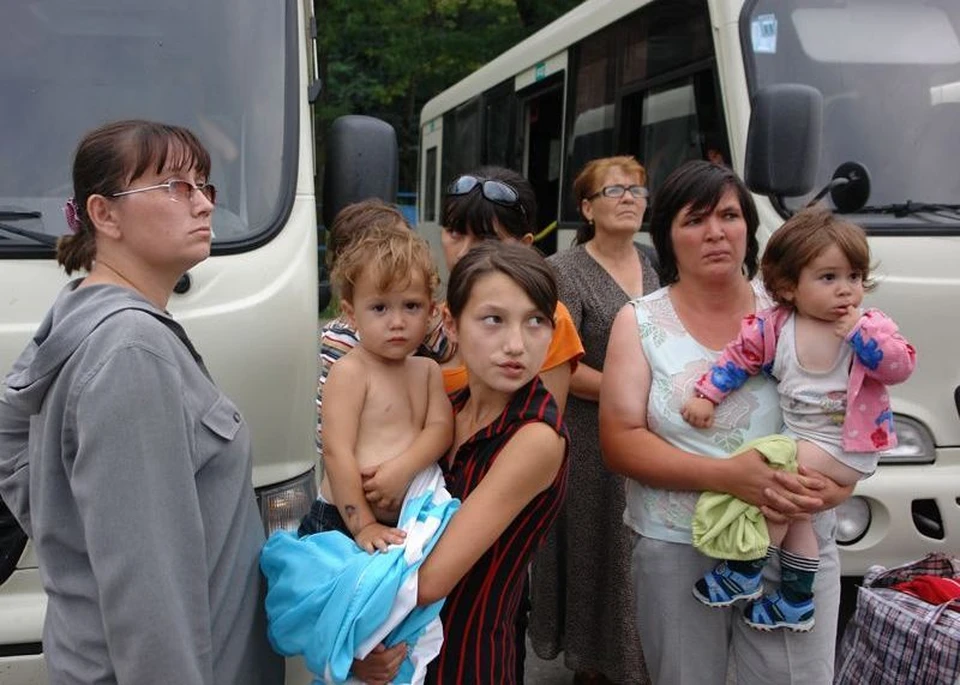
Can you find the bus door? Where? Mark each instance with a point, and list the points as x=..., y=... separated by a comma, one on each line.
x=673, y=119
x=540, y=91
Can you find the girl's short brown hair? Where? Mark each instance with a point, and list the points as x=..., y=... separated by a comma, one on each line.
x=392, y=252
x=802, y=239
x=520, y=263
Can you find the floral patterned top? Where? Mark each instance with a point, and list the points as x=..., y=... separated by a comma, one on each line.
x=676, y=362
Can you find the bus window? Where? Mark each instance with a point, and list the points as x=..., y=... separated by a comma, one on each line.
x=500, y=126
x=429, y=189
x=668, y=125
x=461, y=141
x=591, y=122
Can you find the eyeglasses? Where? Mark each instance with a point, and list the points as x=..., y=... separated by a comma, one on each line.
x=179, y=190
x=497, y=192
x=617, y=191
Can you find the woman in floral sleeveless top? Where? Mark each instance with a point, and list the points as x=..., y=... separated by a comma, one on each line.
x=704, y=226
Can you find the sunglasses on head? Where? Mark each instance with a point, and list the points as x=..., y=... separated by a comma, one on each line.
x=497, y=192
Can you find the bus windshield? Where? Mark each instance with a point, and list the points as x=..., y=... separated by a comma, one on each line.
x=217, y=67
x=889, y=73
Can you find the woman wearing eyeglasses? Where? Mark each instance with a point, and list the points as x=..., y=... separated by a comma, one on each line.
x=581, y=589
x=126, y=465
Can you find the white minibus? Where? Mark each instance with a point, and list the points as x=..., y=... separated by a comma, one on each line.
x=673, y=80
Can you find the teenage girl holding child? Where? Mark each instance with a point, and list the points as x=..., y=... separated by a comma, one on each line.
x=502, y=462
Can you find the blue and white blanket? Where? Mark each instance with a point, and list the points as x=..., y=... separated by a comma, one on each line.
x=331, y=601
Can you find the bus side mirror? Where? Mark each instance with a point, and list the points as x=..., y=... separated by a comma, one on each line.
x=361, y=162
x=783, y=141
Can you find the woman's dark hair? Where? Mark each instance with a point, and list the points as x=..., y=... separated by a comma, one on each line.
x=699, y=185
x=522, y=264
x=473, y=214
x=588, y=182
x=111, y=157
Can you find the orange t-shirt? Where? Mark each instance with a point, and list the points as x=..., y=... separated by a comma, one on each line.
x=565, y=347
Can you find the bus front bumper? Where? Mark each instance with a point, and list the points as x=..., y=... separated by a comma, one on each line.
x=902, y=513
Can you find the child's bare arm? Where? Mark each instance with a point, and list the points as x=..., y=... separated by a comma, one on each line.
x=344, y=395
x=386, y=484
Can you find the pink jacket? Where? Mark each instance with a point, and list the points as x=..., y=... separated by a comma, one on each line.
x=882, y=357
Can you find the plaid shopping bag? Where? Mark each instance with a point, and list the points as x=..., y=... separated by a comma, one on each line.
x=895, y=638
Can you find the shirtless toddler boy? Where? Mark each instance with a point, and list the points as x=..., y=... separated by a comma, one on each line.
x=385, y=414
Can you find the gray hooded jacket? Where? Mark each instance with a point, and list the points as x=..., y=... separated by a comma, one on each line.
x=131, y=473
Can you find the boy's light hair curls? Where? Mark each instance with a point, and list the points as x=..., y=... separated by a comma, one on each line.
x=393, y=253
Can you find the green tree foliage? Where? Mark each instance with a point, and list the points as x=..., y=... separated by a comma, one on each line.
x=386, y=58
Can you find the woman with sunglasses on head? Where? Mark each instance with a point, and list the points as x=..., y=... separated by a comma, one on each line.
x=119, y=455
x=581, y=591
x=494, y=203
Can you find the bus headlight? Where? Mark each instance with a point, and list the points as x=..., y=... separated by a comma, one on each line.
x=283, y=505
x=853, y=520
x=914, y=443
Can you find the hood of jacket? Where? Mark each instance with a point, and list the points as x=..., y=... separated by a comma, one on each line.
x=75, y=314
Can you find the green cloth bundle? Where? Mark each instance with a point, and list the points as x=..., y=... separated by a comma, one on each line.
x=725, y=527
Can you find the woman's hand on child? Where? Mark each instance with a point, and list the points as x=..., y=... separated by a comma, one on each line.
x=829, y=492
x=698, y=412
x=376, y=536
x=797, y=495
x=749, y=477
x=385, y=485
x=847, y=322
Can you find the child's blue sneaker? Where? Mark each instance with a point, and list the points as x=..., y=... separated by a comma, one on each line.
x=722, y=586
x=772, y=612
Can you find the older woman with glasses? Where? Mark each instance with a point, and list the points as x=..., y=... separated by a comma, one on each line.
x=581, y=590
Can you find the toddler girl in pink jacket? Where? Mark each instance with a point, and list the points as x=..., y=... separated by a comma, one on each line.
x=832, y=363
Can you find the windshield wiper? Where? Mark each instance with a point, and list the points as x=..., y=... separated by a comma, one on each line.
x=10, y=215
x=909, y=208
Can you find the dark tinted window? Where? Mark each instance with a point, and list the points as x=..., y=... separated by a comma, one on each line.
x=669, y=124
x=429, y=189
x=461, y=141
x=661, y=38
x=590, y=127
x=500, y=126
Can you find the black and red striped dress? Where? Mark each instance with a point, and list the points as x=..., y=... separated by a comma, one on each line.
x=479, y=616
